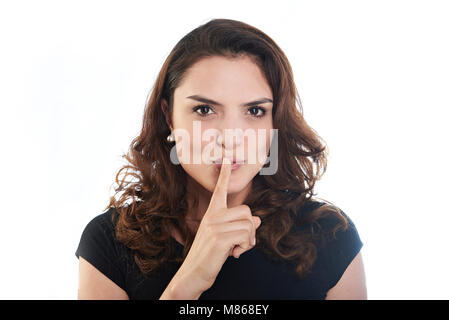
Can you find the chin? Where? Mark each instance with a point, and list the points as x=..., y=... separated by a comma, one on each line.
x=237, y=182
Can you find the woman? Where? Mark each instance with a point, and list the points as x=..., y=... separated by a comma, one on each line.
x=211, y=229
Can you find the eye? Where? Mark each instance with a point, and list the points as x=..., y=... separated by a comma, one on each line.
x=256, y=114
x=203, y=107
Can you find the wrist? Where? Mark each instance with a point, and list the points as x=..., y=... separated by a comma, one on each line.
x=185, y=289
x=181, y=287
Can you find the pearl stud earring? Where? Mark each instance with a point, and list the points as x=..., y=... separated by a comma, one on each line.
x=170, y=138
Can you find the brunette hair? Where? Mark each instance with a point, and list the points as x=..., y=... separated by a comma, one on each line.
x=150, y=195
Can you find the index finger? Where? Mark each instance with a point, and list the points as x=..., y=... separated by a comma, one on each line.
x=219, y=197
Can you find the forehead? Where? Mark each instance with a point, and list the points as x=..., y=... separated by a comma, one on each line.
x=229, y=80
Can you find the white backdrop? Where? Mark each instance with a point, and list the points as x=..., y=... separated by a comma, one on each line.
x=373, y=77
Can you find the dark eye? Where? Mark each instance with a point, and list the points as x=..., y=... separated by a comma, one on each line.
x=256, y=113
x=203, y=110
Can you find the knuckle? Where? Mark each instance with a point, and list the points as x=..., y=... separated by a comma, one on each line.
x=249, y=226
x=215, y=214
x=222, y=212
x=244, y=238
x=257, y=221
x=246, y=209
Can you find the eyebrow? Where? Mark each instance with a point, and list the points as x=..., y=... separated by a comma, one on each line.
x=209, y=101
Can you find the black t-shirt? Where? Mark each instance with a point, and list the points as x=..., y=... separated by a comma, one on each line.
x=252, y=276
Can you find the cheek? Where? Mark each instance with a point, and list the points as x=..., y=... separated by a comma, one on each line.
x=202, y=174
x=197, y=147
x=187, y=149
x=258, y=146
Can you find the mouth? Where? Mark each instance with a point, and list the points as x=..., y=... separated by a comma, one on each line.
x=236, y=163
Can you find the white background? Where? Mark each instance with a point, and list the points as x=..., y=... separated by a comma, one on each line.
x=373, y=77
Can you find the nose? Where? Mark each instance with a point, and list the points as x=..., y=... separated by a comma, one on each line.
x=231, y=136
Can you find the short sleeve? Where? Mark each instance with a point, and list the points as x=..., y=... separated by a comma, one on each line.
x=98, y=246
x=340, y=250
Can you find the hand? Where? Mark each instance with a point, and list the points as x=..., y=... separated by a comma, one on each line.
x=222, y=232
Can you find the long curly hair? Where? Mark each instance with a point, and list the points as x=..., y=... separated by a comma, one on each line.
x=150, y=191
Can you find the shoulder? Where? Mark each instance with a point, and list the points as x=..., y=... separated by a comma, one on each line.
x=99, y=246
x=103, y=225
x=335, y=234
x=324, y=218
x=100, y=232
x=105, y=220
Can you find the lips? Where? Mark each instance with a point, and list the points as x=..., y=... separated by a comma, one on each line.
x=236, y=163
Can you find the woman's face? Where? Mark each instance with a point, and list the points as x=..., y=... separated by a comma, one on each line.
x=207, y=131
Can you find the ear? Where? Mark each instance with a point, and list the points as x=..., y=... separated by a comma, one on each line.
x=164, y=106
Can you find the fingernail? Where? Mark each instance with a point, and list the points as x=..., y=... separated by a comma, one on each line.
x=254, y=241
